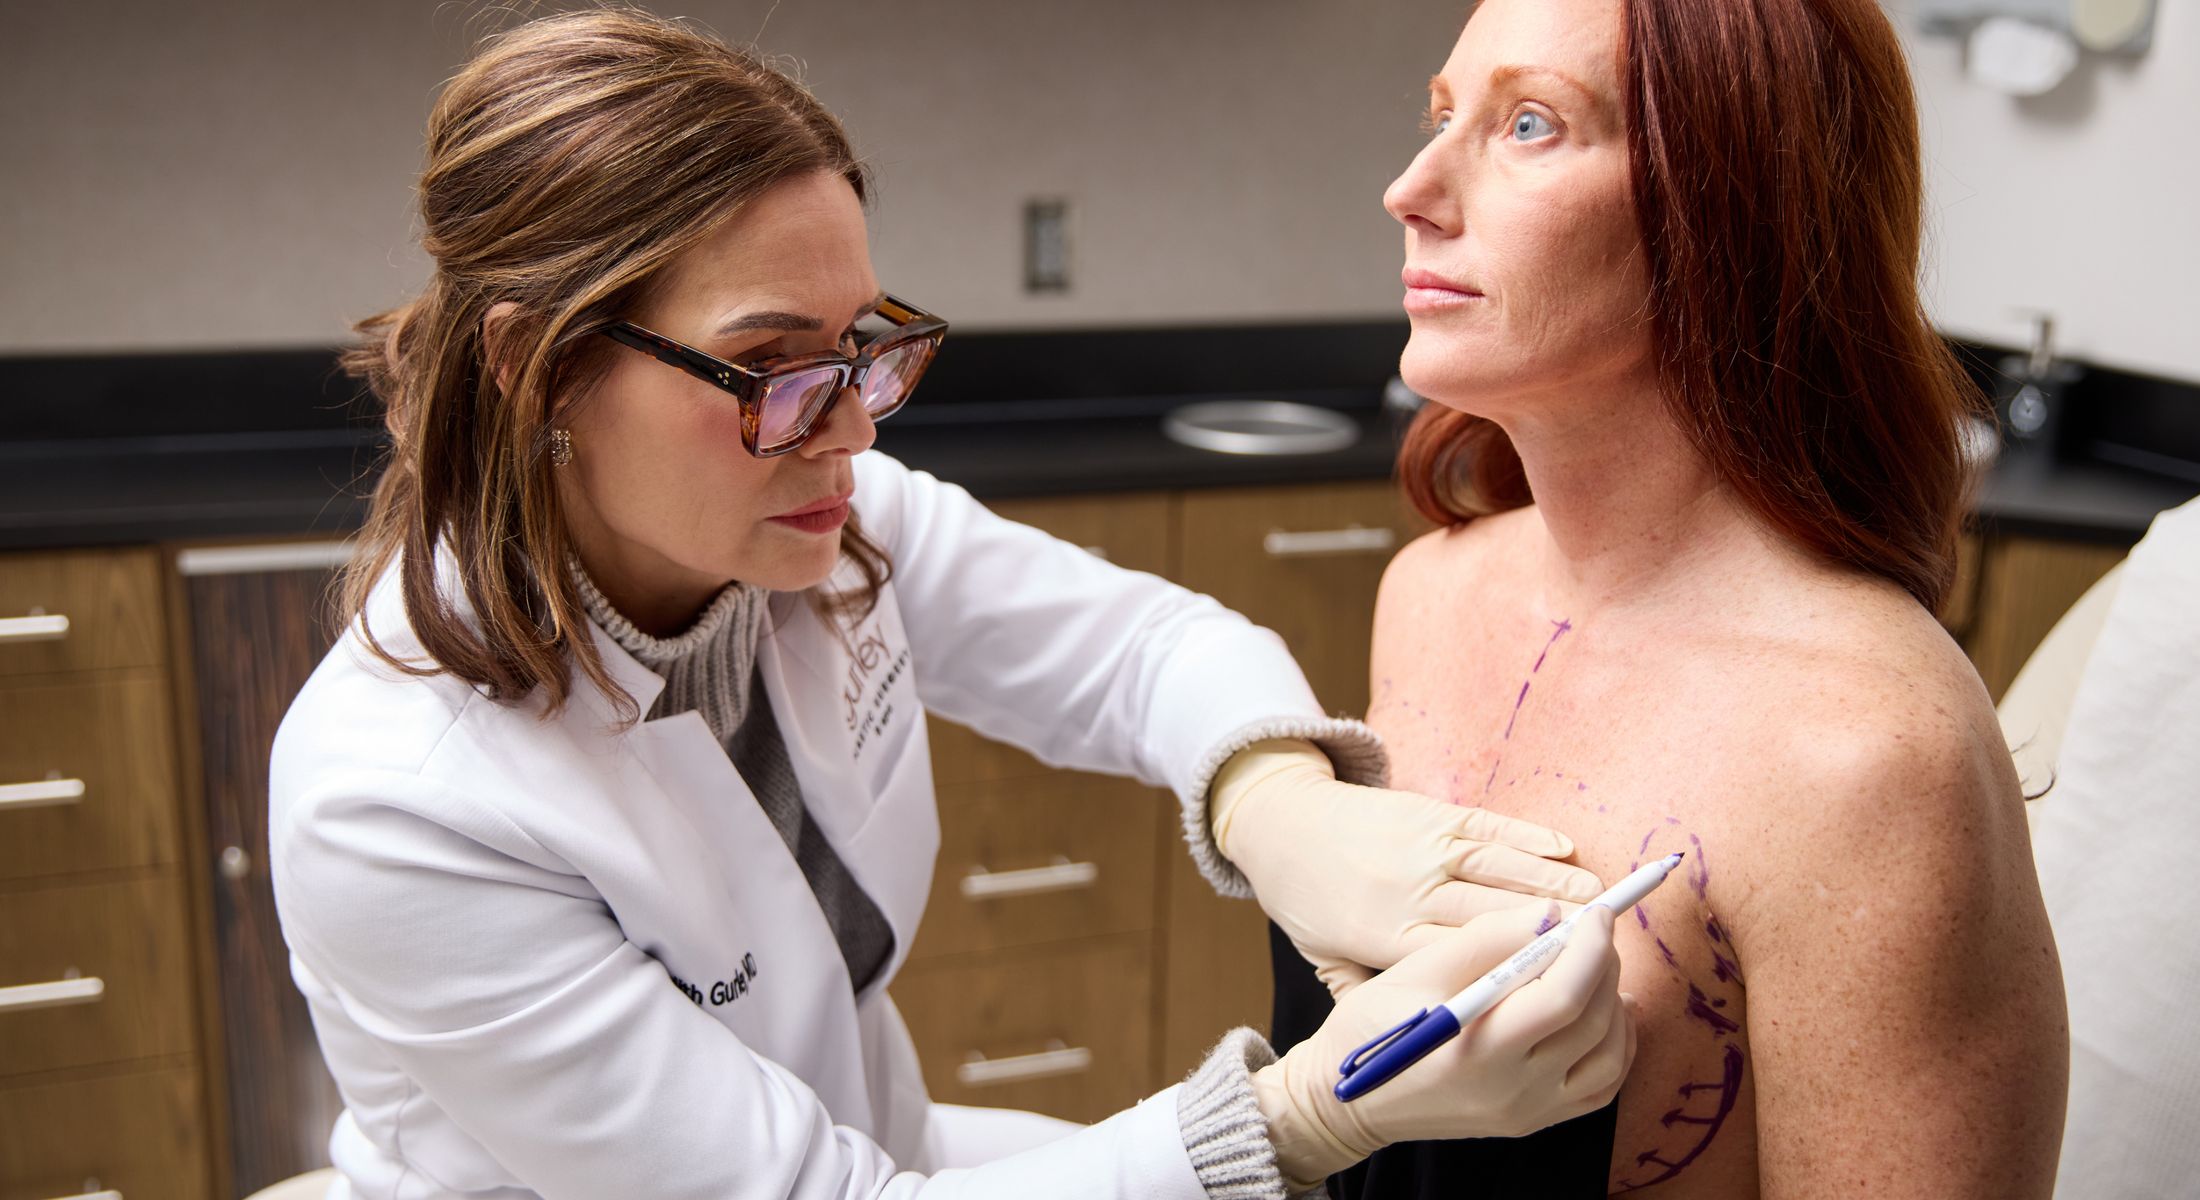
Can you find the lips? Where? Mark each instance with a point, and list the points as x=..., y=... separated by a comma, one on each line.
x=821, y=517
x=1417, y=279
x=828, y=504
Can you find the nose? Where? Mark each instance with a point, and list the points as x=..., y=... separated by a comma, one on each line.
x=1424, y=197
x=846, y=429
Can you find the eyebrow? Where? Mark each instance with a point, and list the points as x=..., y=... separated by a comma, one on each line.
x=1515, y=71
x=786, y=321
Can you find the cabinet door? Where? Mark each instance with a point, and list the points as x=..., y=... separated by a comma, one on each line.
x=1305, y=562
x=254, y=638
x=2025, y=586
x=140, y=1135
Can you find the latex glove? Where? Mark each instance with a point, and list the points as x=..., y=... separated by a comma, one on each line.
x=1557, y=1048
x=1359, y=877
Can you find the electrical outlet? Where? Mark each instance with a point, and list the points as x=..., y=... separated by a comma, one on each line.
x=1046, y=245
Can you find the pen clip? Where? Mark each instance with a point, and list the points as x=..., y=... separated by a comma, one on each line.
x=1358, y=1058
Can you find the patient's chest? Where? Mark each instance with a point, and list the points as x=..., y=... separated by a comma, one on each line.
x=1550, y=722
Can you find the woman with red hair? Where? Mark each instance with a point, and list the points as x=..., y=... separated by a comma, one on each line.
x=1695, y=450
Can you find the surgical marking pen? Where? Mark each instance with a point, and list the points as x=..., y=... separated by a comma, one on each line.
x=1373, y=1065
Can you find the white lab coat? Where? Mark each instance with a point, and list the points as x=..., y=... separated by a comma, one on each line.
x=554, y=958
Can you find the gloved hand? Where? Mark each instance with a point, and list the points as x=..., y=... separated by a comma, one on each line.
x=1359, y=877
x=1557, y=1048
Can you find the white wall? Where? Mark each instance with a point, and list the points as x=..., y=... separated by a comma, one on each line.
x=239, y=172
x=2084, y=202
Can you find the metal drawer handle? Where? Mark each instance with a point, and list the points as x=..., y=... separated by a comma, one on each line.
x=1355, y=540
x=41, y=794
x=51, y=995
x=981, y=884
x=1056, y=1059
x=37, y=627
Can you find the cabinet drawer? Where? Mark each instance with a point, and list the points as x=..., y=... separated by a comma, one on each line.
x=1305, y=562
x=138, y=1134
x=1038, y=860
x=1064, y=1029
x=109, y=598
x=131, y=937
x=87, y=774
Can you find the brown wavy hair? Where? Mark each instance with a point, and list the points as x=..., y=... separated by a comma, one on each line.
x=569, y=161
x=1779, y=194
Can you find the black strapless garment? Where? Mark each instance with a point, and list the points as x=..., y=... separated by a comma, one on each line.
x=1568, y=1161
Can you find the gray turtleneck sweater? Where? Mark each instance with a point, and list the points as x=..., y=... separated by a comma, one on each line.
x=710, y=669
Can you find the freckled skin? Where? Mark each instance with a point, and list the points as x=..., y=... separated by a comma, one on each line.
x=1707, y=728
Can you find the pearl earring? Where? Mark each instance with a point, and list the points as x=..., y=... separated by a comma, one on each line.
x=561, y=447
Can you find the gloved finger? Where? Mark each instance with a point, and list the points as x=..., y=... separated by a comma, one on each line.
x=1453, y=958
x=1482, y=825
x=1455, y=902
x=1499, y=866
x=1599, y=1073
x=1550, y=1003
x=1341, y=977
x=1570, y=1043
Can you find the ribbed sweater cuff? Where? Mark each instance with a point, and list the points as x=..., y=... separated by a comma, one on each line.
x=1224, y=1132
x=1353, y=749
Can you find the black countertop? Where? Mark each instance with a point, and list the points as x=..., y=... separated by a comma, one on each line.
x=110, y=491
x=121, y=448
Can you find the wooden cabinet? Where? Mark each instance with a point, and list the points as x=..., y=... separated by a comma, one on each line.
x=102, y=1070
x=2025, y=585
x=1302, y=560
x=256, y=620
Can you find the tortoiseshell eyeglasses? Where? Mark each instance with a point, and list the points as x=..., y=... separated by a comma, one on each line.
x=784, y=399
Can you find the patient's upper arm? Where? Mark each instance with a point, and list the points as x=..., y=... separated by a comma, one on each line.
x=1905, y=1005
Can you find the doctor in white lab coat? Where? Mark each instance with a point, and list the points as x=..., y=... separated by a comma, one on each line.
x=571, y=924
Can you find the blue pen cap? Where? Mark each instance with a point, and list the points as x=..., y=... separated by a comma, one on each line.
x=1400, y=1048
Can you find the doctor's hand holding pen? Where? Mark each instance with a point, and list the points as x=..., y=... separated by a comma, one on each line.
x=1554, y=1049
x=1360, y=877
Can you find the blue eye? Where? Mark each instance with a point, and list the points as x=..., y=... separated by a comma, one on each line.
x=1530, y=126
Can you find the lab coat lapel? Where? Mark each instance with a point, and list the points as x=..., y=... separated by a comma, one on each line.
x=744, y=937
x=848, y=709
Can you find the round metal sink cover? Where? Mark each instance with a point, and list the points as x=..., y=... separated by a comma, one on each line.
x=1260, y=427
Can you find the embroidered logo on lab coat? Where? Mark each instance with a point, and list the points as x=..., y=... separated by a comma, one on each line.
x=722, y=991
x=875, y=665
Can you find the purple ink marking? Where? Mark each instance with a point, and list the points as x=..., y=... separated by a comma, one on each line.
x=1601, y=808
x=1549, y=922
x=1672, y=820
x=1492, y=779
x=1581, y=787
x=1645, y=850
x=1563, y=628
x=1729, y=1089
x=1519, y=700
x=1699, y=1007
x=1705, y=1011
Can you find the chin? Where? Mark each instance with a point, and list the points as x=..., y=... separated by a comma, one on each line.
x=797, y=570
x=1441, y=370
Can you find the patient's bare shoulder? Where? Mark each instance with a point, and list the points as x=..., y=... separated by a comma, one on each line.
x=1890, y=919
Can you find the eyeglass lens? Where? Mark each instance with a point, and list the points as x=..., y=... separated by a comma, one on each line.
x=792, y=402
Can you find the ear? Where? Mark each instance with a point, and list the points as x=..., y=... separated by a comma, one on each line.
x=490, y=323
